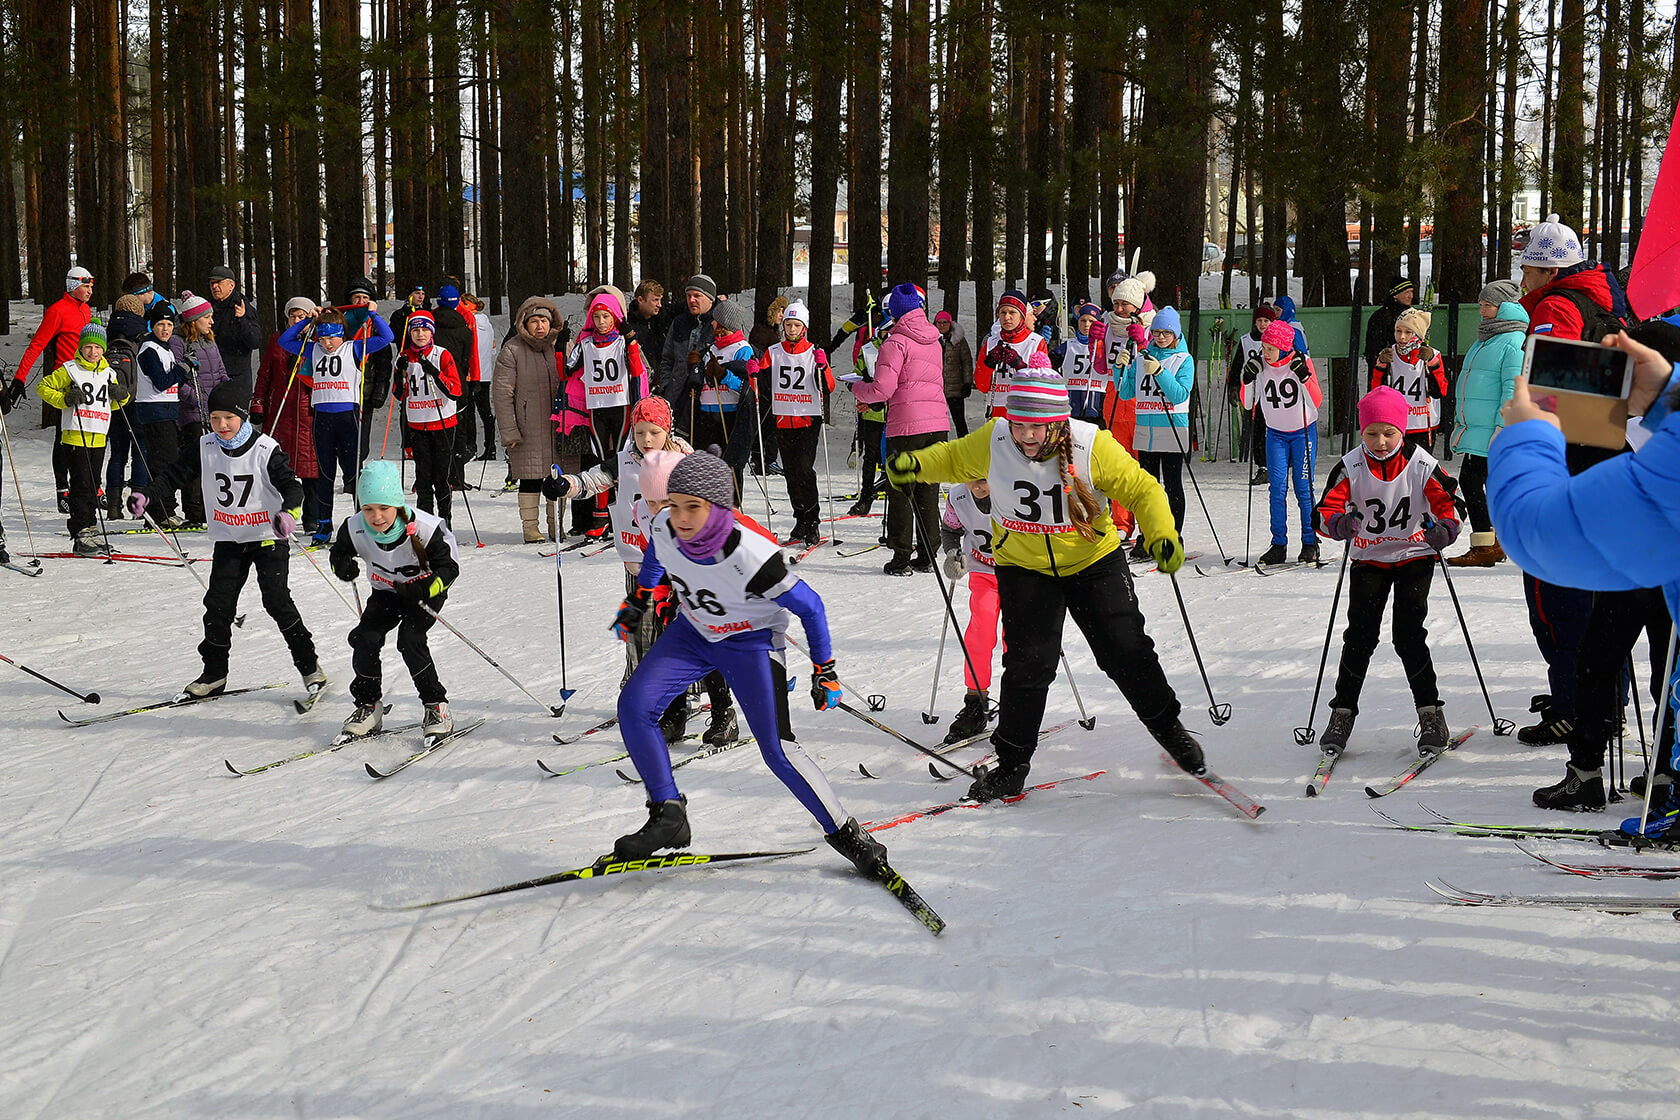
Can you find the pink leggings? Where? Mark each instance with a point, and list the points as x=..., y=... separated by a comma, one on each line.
x=982, y=632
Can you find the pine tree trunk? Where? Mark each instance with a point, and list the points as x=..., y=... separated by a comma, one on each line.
x=827, y=25
x=909, y=184
x=775, y=190
x=976, y=46
x=623, y=129
x=653, y=63
x=955, y=145
x=1171, y=178
x=254, y=167
x=863, y=186
x=682, y=233
x=1570, y=150
x=594, y=159
x=520, y=60
x=341, y=141
x=1458, y=211
x=111, y=126
x=448, y=231
x=493, y=283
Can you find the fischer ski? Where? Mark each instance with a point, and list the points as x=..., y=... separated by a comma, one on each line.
x=603, y=867
x=965, y=803
x=433, y=743
x=1458, y=896
x=913, y=902
x=1244, y=804
x=341, y=740
x=1321, y=776
x=1422, y=764
x=180, y=700
x=703, y=752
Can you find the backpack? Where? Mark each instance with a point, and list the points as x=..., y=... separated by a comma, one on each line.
x=1596, y=321
x=123, y=356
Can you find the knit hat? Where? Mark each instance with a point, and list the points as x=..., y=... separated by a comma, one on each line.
x=361, y=285
x=731, y=315
x=420, y=317
x=904, y=299
x=1013, y=298
x=1114, y=278
x=1038, y=359
x=1401, y=285
x=160, y=311
x=449, y=295
x=608, y=303
x=1036, y=397
x=1265, y=313
x=1166, y=319
x=380, y=484
x=222, y=272
x=656, y=473
x=300, y=303
x=1551, y=244
x=798, y=312
x=229, y=397
x=703, y=284
x=702, y=475
x=132, y=304
x=1382, y=405
x=1279, y=334
x=1087, y=308
x=137, y=284
x=1134, y=289
x=1501, y=291
x=193, y=307
x=1416, y=320
x=76, y=277
x=654, y=410
x=93, y=332
x=943, y=317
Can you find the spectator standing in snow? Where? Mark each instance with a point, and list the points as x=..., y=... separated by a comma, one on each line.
x=58, y=337
x=1485, y=382
x=1379, y=329
x=238, y=333
x=958, y=358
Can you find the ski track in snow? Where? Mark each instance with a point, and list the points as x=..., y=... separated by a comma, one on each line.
x=175, y=942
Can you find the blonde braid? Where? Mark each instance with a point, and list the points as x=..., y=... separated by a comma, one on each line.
x=1082, y=502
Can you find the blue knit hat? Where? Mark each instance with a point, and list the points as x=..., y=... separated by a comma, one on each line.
x=904, y=299
x=381, y=485
x=1166, y=319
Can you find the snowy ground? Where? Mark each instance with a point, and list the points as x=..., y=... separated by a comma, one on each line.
x=176, y=942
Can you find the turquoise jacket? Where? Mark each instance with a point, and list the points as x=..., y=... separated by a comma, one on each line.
x=1486, y=381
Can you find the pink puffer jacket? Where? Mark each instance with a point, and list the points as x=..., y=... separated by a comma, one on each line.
x=910, y=379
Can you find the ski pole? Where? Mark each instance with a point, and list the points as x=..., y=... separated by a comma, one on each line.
x=1219, y=713
x=763, y=462
x=560, y=601
x=22, y=509
x=944, y=592
x=938, y=660
x=1085, y=721
x=238, y=619
x=98, y=506
x=1248, y=518
x=828, y=483
x=1500, y=726
x=553, y=711
x=1661, y=716
x=90, y=698
x=1306, y=735
x=875, y=701
x=310, y=556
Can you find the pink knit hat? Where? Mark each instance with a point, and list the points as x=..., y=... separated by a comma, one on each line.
x=1382, y=405
x=1038, y=359
x=1279, y=334
x=193, y=307
x=656, y=473
x=607, y=302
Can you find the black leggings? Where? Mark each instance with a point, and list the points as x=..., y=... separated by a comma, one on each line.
x=1168, y=467
x=1472, y=481
x=1368, y=590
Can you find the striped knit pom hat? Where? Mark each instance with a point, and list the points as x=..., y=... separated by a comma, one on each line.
x=1036, y=396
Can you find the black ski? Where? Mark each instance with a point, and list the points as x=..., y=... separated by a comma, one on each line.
x=341, y=740
x=181, y=700
x=433, y=743
x=603, y=867
x=913, y=902
x=703, y=752
x=303, y=706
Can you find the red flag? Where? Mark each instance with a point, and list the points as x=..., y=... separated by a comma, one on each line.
x=1654, y=284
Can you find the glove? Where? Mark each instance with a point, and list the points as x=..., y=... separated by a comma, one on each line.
x=555, y=488
x=825, y=685
x=1386, y=357
x=12, y=394
x=1344, y=526
x=72, y=395
x=953, y=565
x=1426, y=353
x=1168, y=553
x=630, y=613
x=1138, y=334
x=693, y=362
x=714, y=371
x=1439, y=534
x=431, y=370
x=285, y=524
x=664, y=605
x=1298, y=366
x=1151, y=368
x=419, y=589
x=346, y=569
x=1004, y=356
x=902, y=469
x=137, y=503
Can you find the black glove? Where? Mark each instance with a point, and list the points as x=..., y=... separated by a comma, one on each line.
x=346, y=569
x=419, y=589
x=72, y=395
x=825, y=685
x=431, y=370
x=554, y=489
x=13, y=394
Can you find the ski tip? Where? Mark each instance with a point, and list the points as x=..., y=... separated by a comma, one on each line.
x=232, y=769
x=1369, y=792
x=864, y=770
x=371, y=772
x=300, y=706
x=628, y=778
x=1312, y=790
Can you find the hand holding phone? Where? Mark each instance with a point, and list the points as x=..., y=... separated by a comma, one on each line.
x=1584, y=384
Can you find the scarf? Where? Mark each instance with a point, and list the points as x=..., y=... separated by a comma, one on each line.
x=1487, y=328
x=239, y=437
x=705, y=544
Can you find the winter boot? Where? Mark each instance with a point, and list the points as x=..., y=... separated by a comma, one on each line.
x=1552, y=728
x=114, y=510
x=1581, y=791
x=1004, y=778
x=314, y=680
x=666, y=827
x=1484, y=552
x=1277, y=554
x=1182, y=745
x=673, y=725
x=365, y=720
x=1432, y=729
x=1335, y=737
x=205, y=685
x=89, y=543
x=724, y=729
x=529, y=505
x=862, y=506
x=437, y=720
x=5, y=557
x=971, y=721
x=898, y=567
x=1309, y=553
x=868, y=854
x=322, y=536
x=554, y=533
x=1261, y=478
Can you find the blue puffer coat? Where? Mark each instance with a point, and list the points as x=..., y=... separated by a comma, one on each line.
x=1489, y=375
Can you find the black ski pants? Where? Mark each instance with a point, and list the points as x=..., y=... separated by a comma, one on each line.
x=799, y=466
x=433, y=449
x=920, y=501
x=1613, y=625
x=385, y=612
x=1168, y=467
x=1369, y=586
x=84, y=464
x=230, y=565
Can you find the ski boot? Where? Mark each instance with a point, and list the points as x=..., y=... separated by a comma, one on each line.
x=5, y=557
x=1309, y=553
x=1178, y=742
x=723, y=729
x=1007, y=777
x=437, y=720
x=1432, y=725
x=205, y=685
x=1665, y=814
x=88, y=543
x=867, y=854
x=323, y=534
x=1581, y=791
x=971, y=721
x=1261, y=478
x=1335, y=737
x=1552, y=728
x=673, y=725
x=1277, y=554
x=365, y=720
x=666, y=827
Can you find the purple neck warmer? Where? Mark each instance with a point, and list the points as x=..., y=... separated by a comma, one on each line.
x=706, y=543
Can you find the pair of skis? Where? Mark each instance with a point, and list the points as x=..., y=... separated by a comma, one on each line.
x=1327, y=762
x=432, y=744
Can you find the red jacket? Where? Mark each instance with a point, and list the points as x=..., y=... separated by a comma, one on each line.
x=61, y=327
x=292, y=424
x=825, y=371
x=448, y=377
x=1557, y=315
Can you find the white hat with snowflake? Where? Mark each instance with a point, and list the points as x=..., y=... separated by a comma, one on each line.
x=1552, y=244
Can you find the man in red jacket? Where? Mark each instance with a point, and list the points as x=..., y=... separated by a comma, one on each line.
x=1565, y=292
x=61, y=328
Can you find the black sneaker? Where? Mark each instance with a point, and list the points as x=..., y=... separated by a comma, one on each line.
x=1432, y=729
x=723, y=728
x=1552, y=728
x=971, y=721
x=867, y=854
x=666, y=827
x=922, y=565
x=1309, y=554
x=1178, y=742
x=1335, y=737
x=1277, y=554
x=1581, y=791
x=896, y=567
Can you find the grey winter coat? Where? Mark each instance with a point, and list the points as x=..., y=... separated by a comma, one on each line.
x=959, y=363
x=204, y=359
x=522, y=395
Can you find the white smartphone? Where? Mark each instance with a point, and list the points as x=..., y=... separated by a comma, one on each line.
x=1586, y=385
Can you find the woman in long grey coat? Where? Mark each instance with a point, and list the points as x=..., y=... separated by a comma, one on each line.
x=522, y=394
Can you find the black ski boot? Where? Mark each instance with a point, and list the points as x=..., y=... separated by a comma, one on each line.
x=1182, y=745
x=666, y=827
x=723, y=728
x=868, y=854
x=1581, y=791
x=1552, y=728
x=971, y=721
x=1335, y=737
x=1309, y=553
x=1432, y=729
x=1004, y=778
x=1277, y=554
x=674, y=723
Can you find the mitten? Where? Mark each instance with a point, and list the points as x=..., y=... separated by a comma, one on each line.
x=953, y=565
